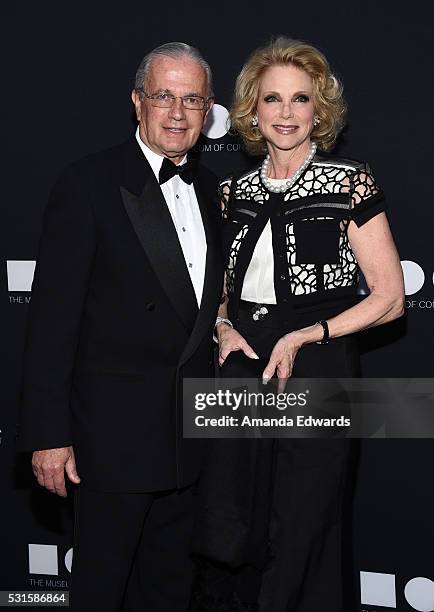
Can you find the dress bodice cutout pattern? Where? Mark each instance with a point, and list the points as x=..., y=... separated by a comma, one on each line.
x=313, y=258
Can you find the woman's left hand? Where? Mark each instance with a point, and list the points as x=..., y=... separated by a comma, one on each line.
x=282, y=359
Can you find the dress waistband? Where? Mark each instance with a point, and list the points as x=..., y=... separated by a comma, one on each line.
x=285, y=316
x=265, y=315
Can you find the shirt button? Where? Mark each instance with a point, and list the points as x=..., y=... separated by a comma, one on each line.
x=282, y=277
x=177, y=196
x=183, y=229
x=150, y=306
x=190, y=265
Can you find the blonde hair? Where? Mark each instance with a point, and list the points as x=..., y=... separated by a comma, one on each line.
x=329, y=104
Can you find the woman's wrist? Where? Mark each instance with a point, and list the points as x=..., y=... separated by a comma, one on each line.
x=221, y=327
x=309, y=335
x=221, y=322
x=326, y=332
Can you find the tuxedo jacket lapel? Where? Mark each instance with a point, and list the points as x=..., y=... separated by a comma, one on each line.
x=150, y=217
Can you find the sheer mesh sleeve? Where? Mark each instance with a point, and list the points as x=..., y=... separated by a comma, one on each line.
x=224, y=190
x=367, y=199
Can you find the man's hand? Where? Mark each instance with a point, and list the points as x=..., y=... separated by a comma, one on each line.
x=230, y=340
x=49, y=466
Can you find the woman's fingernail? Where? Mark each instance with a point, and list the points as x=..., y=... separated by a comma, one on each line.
x=265, y=379
x=254, y=356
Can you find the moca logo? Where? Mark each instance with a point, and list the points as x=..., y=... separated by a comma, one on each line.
x=43, y=559
x=217, y=123
x=380, y=590
x=20, y=274
x=414, y=276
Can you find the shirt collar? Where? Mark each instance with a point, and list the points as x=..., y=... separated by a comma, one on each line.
x=154, y=160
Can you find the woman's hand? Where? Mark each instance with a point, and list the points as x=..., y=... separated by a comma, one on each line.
x=231, y=340
x=282, y=358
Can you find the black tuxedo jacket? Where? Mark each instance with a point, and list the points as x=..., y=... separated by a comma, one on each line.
x=114, y=325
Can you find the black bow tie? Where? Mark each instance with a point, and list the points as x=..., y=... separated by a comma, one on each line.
x=169, y=169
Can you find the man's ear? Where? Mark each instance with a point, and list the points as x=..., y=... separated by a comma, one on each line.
x=137, y=104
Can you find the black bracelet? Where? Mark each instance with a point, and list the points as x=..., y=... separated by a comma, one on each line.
x=326, y=335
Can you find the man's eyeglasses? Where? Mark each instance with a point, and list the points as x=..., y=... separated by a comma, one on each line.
x=167, y=100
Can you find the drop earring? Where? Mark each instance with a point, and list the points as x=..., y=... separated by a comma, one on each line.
x=316, y=121
x=254, y=120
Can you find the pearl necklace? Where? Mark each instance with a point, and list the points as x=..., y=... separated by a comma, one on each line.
x=289, y=183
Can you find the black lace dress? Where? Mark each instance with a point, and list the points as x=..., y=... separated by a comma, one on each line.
x=270, y=532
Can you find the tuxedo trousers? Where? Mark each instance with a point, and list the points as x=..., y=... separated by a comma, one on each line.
x=131, y=551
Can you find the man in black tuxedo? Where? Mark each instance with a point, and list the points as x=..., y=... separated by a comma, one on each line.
x=124, y=302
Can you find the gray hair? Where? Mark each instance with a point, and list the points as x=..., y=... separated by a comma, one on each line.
x=175, y=50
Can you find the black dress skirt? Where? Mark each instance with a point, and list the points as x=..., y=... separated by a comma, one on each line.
x=273, y=519
x=273, y=528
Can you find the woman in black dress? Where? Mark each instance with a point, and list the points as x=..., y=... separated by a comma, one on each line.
x=297, y=228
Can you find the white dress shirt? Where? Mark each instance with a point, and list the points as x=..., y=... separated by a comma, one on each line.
x=184, y=209
x=258, y=285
